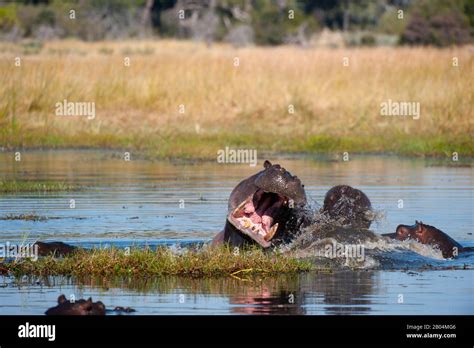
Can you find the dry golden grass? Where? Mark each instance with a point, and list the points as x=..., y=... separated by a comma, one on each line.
x=336, y=108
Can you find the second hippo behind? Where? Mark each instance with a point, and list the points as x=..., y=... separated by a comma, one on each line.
x=348, y=206
x=262, y=206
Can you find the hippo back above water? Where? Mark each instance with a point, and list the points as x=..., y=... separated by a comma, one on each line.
x=78, y=307
x=348, y=206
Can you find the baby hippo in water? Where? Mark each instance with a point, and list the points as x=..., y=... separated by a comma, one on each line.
x=426, y=234
x=79, y=307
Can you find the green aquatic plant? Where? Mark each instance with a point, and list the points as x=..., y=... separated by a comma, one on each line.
x=24, y=217
x=17, y=186
x=203, y=262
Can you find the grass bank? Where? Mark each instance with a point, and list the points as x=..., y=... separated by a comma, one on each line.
x=208, y=262
x=18, y=186
x=183, y=100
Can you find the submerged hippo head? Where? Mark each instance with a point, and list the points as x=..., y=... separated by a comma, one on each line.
x=349, y=206
x=55, y=248
x=79, y=307
x=426, y=234
x=257, y=204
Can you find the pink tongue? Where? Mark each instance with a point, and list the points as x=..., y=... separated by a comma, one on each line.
x=256, y=219
x=256, y=215
x=264, y=212
x=249, y=208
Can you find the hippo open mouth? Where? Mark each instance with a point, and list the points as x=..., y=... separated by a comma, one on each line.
x=256, y=215
x=263, y=208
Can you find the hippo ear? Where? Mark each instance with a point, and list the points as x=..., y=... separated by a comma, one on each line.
x=267, y=164
x=87, y=305
x=61, y=299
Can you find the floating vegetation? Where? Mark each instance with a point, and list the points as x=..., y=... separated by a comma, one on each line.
x=202, y=262
x=16, y=186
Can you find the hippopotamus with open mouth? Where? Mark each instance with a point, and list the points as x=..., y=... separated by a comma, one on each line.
x=262, y=208
x=426, y=234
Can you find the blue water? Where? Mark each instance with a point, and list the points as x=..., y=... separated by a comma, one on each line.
x=153, y=202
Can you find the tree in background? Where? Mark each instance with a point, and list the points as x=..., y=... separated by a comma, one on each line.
x=439, y=23
x=242, y=22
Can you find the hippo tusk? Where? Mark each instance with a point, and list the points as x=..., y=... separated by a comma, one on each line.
x=271, y=233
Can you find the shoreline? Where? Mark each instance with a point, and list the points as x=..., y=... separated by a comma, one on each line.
x=330, y=156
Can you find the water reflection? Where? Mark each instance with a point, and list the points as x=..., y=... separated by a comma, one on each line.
x=343, y=292
x=340, y=293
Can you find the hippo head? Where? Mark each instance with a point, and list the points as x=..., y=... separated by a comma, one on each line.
x=426, y=234
x=404, y=232
x=415, y=231
x=79, y=307
x=257, y=203
x=349, y=206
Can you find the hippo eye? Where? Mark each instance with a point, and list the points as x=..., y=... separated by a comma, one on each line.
x=302, y=185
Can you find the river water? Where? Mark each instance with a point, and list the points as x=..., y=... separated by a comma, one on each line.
x=142, y=202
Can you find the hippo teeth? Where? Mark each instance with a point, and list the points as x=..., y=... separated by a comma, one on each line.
x=246, y=223
x=271, y=233
x=257, y=230
x=255, y=215
x=239, y=211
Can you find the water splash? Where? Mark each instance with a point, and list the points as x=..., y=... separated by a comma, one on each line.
x=329, y=243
